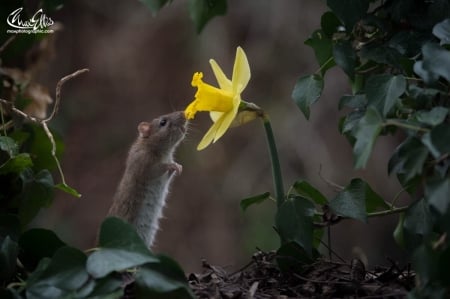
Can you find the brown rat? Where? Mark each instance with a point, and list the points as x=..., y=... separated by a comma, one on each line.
x=141, y=194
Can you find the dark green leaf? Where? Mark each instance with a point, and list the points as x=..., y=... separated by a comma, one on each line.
x=432, y=117
x=426, y=263
x=381, y=54
x=437, y=140
x=37, y=193
x=330, y=24
x=39, y=147
x=9, y=146
x=9, y=226
x=356, y=200
x=345, y=57
x=246, y=202
x=121, y=248
x=162, y=280
x=349, y=11
x=351, y=121
x=155, y=5
x=408, y=159
x=109, y=287
x=437, y=193
x=69, y=190
x=8, y=256
x=291, y=257
x=16, y=164
x=323, y=49
x=36, y=244
x=418, y=223
x=366, y=133
x=64, y=274
x=435, y=63
x=383, y=91
x=442, y=31
x=307, y=91
x=357, y=101
x=294, y=222
x=202, y=11
x=304, y=189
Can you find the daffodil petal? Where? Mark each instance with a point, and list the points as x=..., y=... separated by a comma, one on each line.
x=226, y=120
x=222, y=80
x=215, y=115
x=209, y=136
x=241, y=72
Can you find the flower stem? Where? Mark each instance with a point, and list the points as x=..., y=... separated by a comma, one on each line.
x=276, y=169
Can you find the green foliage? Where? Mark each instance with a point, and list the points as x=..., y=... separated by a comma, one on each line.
x=397, y=60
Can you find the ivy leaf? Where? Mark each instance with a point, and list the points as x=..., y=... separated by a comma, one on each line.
x=435, y=63
x=37, y=193
x=16, y=164
x=357, y=101
x=437, y=140
x=323, y=49
x=330, y=23
x=294, y=222
x=384, y=90
x=366, y=132
x=9, y=146
x=345, y=57
x=121, y=248
x=408, y=159
x=36, y=244
x=349, y=11
x=162, y=280
x=437, y=194
x=246, y=202
x=432, y=117
x=356, y=200
x=155, y=5
x=64, y=274
x=202, y=11
x=307, y=91
x=442, y=31
x=8, y=258
x=306, y=190
x=69, y=190
x=417, y=224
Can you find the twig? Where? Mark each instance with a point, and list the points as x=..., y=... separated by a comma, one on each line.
x=337, y=187
x=43, y=122
x=58, y=91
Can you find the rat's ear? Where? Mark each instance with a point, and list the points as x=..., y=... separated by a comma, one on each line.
x=144, y=129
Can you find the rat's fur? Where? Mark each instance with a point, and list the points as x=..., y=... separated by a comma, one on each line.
x=150, y=167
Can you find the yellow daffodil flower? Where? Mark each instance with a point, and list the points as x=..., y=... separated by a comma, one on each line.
x=223, y=102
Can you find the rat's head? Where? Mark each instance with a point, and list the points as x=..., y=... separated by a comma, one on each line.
x=164, y=133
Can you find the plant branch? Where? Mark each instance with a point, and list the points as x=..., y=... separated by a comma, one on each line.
x=43, y=122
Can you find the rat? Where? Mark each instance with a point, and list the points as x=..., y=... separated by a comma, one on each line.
x=150, y=168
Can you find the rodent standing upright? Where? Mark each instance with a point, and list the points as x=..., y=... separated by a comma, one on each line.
x=150, y=168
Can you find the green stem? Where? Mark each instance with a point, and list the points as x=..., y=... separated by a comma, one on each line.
x=276, y=169
x=391, y=122
x=388, y=212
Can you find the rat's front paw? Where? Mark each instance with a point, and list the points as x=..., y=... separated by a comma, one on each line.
x=174, y=168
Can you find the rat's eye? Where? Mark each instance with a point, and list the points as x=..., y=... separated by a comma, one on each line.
x=163, y=122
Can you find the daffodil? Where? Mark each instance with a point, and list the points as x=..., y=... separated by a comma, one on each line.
x=223, y=102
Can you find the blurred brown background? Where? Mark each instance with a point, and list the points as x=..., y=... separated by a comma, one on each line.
x=141, y=66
